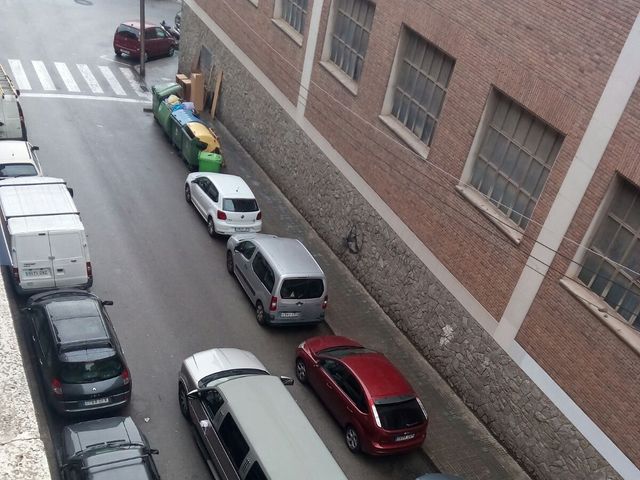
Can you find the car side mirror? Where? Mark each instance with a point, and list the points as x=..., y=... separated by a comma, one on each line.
x=107, y=302
x=153, y=451
x=194, y=393
x=286, y=380
x=35, y=148
x=236, y=249
x=70, y=191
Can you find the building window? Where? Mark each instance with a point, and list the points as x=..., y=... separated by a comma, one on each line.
x=611, y=271
x=293, y=12
x=516, y=154
x=421, y=85
x=351, y=35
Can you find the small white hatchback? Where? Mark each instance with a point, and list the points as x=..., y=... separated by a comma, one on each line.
x=18, y=159
x=225, y=201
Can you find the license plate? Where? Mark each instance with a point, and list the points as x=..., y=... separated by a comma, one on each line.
x=289, y=314
x=37, y=272
x=242, y=229
x=96, y=401
x=402, y=438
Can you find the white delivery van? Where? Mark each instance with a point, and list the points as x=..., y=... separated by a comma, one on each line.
x=12, y=126
x=44, y=236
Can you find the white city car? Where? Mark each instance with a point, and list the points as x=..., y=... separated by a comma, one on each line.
x=225, y=201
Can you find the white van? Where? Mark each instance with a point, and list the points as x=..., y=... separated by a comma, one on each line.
x=45, y=240
x=12, y=125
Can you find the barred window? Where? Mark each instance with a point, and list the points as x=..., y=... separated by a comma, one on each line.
x=351, y=35
x=294, y=12
x=513, y=163
x=611, y=273
x=422, y=82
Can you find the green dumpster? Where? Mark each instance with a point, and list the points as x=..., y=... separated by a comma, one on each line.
x=209, y=162
x=163, y=116
x=161, y=91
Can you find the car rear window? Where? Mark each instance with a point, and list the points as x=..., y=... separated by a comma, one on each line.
x=89, y=372
x=128, y=32
x=301, y=288
x=239, y=205
x=399, y=415
x=17, y=170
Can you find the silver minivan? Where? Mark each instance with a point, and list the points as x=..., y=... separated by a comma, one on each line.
x=284, y=282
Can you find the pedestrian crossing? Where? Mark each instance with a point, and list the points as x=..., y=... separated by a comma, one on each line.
x=38, y=78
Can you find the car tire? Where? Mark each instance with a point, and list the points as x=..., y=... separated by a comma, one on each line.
x=211, y=227
x=118, y=53
x=187, y=194
x=301, y=371
x=352, y=439
x=260, y=313
x=146, y=57
x=183, y=401
x=229, y=262
x=171, y=51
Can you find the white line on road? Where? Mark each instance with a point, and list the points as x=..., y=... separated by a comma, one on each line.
x=128, y=74
x=111, y=78
x=66, y=76
x=83, y=97
x=43, y=75
x=89, y=78
x=19, y=74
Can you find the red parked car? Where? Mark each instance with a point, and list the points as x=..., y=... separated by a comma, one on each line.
x=368, y=396
x=157, y=41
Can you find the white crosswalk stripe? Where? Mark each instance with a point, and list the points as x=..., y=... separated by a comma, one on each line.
x=66, y=76
x=128, y=74
x=43, y=75
x=89, y=78
x=111, y=78
x=19, y=75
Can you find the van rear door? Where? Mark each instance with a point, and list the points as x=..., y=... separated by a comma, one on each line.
x=301, y=300
x=34, y=263
x=69, y=262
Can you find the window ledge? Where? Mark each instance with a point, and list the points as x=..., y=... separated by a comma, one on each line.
x=607, y=315
x=288, y=30
x=397, y=127
x=493, y=213
x=348, y=82
x=254, y=3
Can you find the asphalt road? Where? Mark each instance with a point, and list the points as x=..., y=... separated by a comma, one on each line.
x=150, y=251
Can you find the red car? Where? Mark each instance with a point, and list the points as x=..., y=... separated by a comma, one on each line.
x=157, y=41
x=368, y=396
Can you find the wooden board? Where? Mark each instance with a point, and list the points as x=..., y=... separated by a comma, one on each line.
x=216, y=93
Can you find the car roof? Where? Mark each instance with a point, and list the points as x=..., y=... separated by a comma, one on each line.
x=378, y=375
x=229, y=186
x=215, y=360
x=136, y=24
x=77, y=320
x=15, y=151
x=288, y=255
x=34, y=196
x=284, y=441
x=21, y=225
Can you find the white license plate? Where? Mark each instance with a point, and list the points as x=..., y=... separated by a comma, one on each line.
x=402, y=438
x=96, y=401
x=36, y=272
x=242, y=229
x=289, y=314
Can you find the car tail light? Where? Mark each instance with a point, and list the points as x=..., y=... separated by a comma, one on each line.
x=56, y=387
x=325, y=301
x=259, y=216
x=126, y=378
x=221, y=215
x=89, y=270
x=274, y=304
x=16, y=274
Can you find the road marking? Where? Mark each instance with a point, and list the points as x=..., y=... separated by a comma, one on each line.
x=66, y=76
x=89, y=78
x=128, y=74
x=83, y=97
x=111, y=78
x=43, y=75
x=19, y=75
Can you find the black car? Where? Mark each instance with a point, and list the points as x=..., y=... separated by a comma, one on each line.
x=79, y=356
x=106, y=448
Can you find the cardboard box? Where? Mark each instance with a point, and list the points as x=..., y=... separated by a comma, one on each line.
x=185, y=83
x=197, y=91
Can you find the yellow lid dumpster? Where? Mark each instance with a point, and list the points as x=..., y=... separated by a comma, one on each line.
x=206, y=136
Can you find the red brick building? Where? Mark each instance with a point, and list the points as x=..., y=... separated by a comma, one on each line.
x=488, y=158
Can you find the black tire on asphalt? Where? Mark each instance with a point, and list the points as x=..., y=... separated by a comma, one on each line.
x=229, y=262
x=352, y=439
x=187, y=193
x=118, y=53
x=211, y=228
x=260, y=314
x=183, y=401
x=301, y=371
x=171, y=51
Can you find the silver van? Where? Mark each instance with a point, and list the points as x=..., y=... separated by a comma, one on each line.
x=284, y=282
x=247, y=425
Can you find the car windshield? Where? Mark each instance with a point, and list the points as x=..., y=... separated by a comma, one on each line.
x=399, y=415
x=301, y=288
x=239, y=205
x=210, y=380
x=88, y=372
x=18, y=170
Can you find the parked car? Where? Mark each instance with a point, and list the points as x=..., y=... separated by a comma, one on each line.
x=106, y=448
x=282, y=279
x=12, y=126
x=369, y=397
x=247, y=424
x=19, y=159
x=225, y=201
x=79, y=356
x=157, y=41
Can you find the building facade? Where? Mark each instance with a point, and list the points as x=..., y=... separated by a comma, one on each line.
x=477, y=168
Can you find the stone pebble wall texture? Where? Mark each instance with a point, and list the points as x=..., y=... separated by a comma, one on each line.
x=521, y=417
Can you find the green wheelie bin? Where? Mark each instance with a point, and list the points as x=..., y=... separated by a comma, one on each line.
x=161, y=91
x=209, y=162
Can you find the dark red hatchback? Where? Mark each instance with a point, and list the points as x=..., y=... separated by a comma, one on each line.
x=157, y=41
x=373, y=402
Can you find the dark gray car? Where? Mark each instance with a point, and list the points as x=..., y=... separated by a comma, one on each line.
x=79, y=357
x=107, y=448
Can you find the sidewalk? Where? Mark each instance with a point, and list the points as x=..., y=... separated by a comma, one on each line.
x=457, y=442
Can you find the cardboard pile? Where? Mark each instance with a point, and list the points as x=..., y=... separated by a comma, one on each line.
x=193, y=88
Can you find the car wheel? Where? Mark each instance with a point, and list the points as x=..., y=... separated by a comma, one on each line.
x=352, y=439
x=171, y=51
x=118, y=53
x=146, y=57
x=229, y=262
x=260, y=315
x=187, y=193
x=211, y=228
x=183, y=401
x=301, y=370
